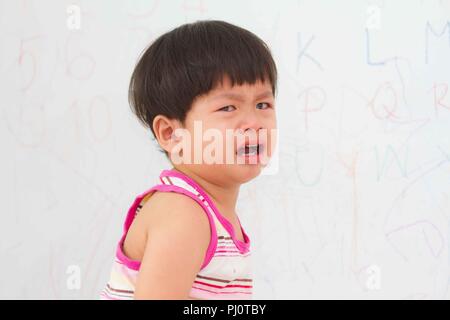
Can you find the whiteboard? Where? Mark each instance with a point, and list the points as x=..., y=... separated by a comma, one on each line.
x=358, y=206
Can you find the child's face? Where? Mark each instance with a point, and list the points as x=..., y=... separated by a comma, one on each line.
x=227, y=110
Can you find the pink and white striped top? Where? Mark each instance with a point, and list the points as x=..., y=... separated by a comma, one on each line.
x=226, y=269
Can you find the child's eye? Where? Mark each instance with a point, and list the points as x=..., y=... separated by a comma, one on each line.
x=222, y=109
x=263, y=103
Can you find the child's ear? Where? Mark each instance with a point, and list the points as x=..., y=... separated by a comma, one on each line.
x=164, y=129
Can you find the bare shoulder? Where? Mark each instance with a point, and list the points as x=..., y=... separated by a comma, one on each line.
x=166, y=212
x=178, y=235
x=167, y=206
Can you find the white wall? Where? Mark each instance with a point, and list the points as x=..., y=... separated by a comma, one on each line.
x=359, y=207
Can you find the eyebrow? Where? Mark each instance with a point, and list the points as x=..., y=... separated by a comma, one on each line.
x=238, y=97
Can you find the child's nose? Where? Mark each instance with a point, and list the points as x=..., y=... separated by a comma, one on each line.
x=249, y=129
x=251, y=121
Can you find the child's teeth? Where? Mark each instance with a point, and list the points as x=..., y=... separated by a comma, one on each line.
x=250, y=150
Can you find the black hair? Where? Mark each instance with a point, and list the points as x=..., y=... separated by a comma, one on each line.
x=191, y=60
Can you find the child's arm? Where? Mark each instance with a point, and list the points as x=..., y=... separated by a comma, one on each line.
x=177, y=241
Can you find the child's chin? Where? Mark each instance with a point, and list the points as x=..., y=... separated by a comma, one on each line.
x=246, y=172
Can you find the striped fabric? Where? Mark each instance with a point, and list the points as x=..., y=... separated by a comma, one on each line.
x=226, y=271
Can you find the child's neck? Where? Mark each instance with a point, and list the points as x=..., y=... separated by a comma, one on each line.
x=224, y=197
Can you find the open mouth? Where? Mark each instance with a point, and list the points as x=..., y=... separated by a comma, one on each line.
x=250, y=150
